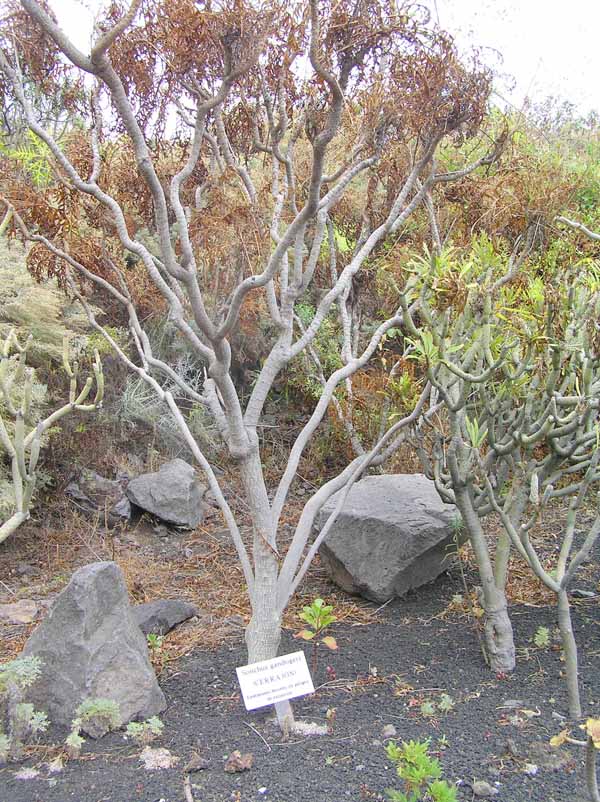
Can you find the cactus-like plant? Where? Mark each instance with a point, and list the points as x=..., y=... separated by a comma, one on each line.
x=21, y=437
x=517, y=365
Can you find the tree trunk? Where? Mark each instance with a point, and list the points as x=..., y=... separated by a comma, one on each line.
x=263, y=633
x=570, y=652
x=498, y=632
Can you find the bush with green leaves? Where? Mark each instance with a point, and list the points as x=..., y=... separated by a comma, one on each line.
x=19, y=721
x=420, y=772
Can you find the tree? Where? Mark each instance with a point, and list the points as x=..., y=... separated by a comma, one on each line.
x=291, y=119
x=515, y=359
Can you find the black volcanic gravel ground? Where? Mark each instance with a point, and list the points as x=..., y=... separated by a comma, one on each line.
x=376, y=666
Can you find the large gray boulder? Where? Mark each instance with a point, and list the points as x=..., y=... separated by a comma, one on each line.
x=173, y=494
x=91, y=647
x=393, y=534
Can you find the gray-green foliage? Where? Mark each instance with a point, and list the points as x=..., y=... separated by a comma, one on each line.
x=41, y=310
x=19, y=721
x=45, y=314
x=140, y=404
x=96, y=717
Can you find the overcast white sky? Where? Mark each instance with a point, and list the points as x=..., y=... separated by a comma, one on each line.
x=548, y=47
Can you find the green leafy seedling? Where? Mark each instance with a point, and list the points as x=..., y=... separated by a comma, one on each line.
x=318, y=616
x=420, y=772
x=542, y=637
x=144, y=732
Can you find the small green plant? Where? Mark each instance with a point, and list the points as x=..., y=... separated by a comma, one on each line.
x=22, y=673
x=155, y=642
x=427, y=709
x=144, y=732
x=443, y=742
x=74, y=741
x=542, y=637
x=420, y=772
x=318, y=616
x=96, y=717
x=158, y=654
x=446, y=703
x=22, y=721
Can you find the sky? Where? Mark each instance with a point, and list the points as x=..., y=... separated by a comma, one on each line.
x=538, y=47
x=547, y=48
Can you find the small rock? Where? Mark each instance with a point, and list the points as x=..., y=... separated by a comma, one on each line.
x=196, y=763
x=25, y=569
x=482, y=788
x=531, y=769
x=389, y=731
x=26, y=774
x=97, y=495
x=20, y=612
x=57, y=765
x=262, y=790
x=160, y=616
x=309, y=728
x=160, y=758
x=238, y=762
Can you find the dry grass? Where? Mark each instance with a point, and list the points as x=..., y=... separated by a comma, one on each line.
x=203, y=569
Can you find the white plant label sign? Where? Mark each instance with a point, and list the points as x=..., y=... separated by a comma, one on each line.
x=276, y=680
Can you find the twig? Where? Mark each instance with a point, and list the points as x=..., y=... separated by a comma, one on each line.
x=254, y=730
x=470, y=605
x=7, y=588
x=187, y=789
x=385, y=604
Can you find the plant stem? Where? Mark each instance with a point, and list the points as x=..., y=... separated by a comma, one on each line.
x=590, y=771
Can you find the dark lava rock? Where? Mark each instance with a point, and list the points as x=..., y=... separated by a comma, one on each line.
x=393, y=534
x=160, y=616
x=91, y=647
